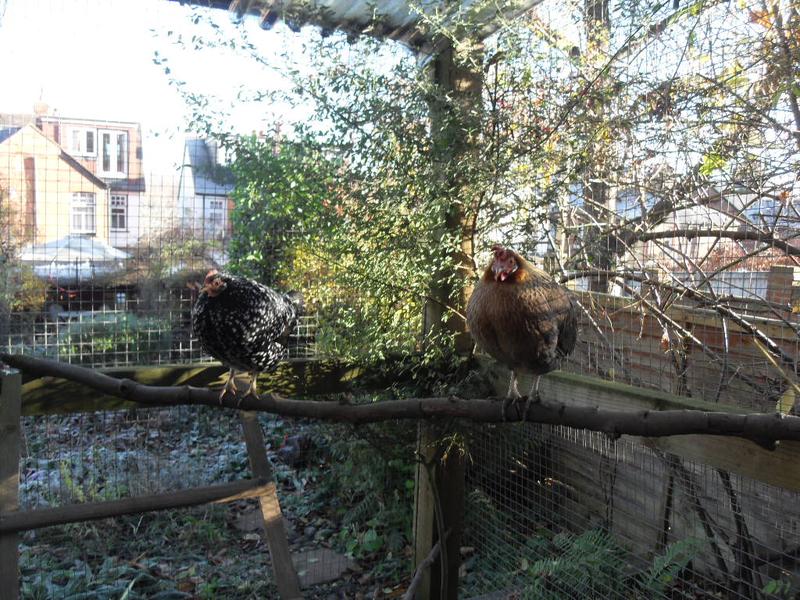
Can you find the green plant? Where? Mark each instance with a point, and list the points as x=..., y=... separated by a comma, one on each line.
x=585, y=566
x=115, y=339
x=20, y=289
x=594, y=565
x=666, y=567
x=111, y=579
x=780, y=588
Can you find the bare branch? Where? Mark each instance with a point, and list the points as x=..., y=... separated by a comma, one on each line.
x=425, y=564
x=757, y=427
x=744, y=234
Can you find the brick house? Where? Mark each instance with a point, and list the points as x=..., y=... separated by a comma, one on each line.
x=112, y=151
x=47, y=193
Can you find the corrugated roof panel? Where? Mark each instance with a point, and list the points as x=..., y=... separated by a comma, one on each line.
x=399, y=21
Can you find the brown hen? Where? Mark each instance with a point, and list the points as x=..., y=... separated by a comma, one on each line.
x=522, y=318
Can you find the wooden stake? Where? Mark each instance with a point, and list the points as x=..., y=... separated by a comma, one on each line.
x=440, y=582
x=10, y=401
x=424, y=508
x=286, y=578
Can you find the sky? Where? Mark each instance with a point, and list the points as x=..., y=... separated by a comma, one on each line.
x=94, y=59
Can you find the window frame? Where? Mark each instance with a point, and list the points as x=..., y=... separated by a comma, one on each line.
x=81, y=135
x=114, y=156
x=112, y=209
x=80, y=201
x=214, y=213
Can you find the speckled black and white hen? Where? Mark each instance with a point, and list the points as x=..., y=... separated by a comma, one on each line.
x=244, y=325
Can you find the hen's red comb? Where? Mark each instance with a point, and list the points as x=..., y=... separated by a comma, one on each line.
x=498, y=250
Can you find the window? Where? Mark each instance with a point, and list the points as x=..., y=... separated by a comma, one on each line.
x=627, y=204
x=215, y=215
x=82, y=141
x=113, y=154
x=83, y=212
x=119, y=213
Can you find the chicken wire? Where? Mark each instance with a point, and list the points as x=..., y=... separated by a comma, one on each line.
x=527, y=485
x=108, y=455
x=102, y=268
x=554, y=512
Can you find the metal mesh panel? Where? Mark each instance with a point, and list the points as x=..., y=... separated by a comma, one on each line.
x=102, y=268
x=559, y=513
x=109, y=455
x=99, y=254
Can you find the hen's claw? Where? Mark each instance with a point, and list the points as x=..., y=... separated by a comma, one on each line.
x=533, y=398
x=225, y=391
x=230, y=387
x=508, y=401
x=252, y=390
x=504, y=407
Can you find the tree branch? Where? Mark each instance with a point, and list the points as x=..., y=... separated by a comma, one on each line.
x=757, y=427
x=418, y=574
x=739, y=234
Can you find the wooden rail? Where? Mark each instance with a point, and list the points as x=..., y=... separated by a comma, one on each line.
x=301, y=377
x=286, y=578
x=12, y=522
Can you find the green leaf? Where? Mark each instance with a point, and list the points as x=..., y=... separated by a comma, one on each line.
x=712, y=162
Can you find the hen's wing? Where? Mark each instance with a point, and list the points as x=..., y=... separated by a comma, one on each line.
x=525, y=326
x=548, y=313
x=273, y=317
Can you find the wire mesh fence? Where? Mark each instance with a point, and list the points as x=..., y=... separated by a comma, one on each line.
x=101, y=258
x=559, y=513
x=100, y=456
x=101, y=261
x=108, y=455
x=687, y=349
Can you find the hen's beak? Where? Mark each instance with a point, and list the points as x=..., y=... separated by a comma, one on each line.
x=501, y=274
x=498, y=272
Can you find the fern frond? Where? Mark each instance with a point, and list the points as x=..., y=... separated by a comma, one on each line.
x=667, y=566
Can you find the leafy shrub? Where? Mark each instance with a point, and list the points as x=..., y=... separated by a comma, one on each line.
x=114, y=338
x=594, y=565
x=20, y=289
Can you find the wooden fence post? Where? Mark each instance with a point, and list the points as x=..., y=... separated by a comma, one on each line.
x=424, y=506
x=448, y=474
x=10, y=400
x=286, y=578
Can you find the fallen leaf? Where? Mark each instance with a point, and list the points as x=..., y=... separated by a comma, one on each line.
x=786, y=401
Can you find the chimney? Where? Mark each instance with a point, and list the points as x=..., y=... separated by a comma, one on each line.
x=212, y=151
x=41, y=109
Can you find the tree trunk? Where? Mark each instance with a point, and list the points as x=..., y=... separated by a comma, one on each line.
x=455, y=130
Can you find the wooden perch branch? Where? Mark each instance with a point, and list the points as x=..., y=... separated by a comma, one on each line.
x=757, y=427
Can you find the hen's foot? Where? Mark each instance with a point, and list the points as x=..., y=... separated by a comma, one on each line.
x=508, y=401
x=230, y=388
x=251, y=391
x=533, y=398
